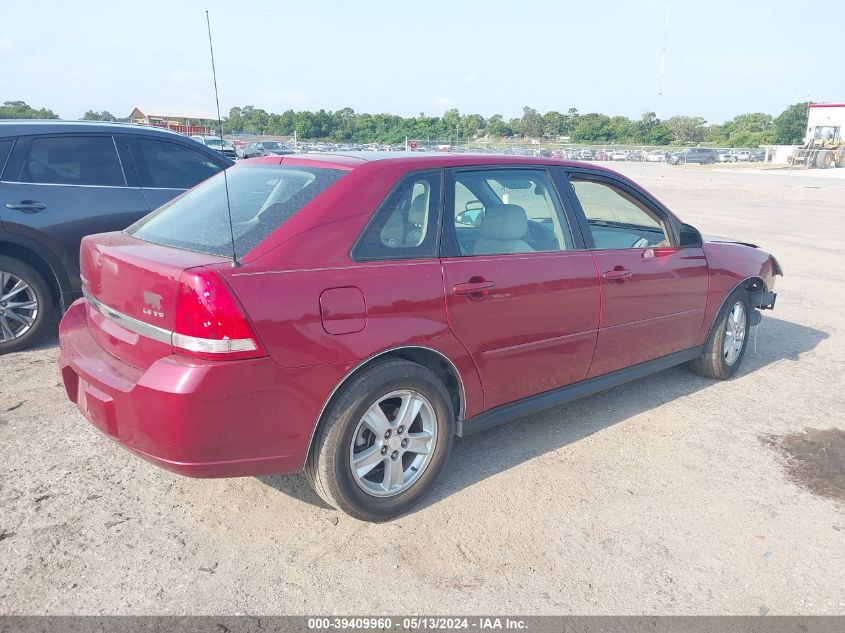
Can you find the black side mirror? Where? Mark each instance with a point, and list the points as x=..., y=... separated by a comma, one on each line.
x=690, y=236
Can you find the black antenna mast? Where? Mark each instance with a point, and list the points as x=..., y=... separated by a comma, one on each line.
x=235, y=262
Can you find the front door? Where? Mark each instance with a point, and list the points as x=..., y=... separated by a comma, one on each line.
x=653, y=291
x=521, y=296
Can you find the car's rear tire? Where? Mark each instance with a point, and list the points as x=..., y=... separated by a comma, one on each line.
x=726, y=345
x=26, y=305
x=370, y=460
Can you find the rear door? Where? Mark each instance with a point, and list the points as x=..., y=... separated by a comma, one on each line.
x=167, y=168
x=653, y=291
x=59, y=188
x=521, y=295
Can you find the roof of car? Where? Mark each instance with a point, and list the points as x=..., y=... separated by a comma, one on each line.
x=16, y=127
x=420, y=160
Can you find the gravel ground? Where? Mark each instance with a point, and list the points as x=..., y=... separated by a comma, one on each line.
x=670, y=495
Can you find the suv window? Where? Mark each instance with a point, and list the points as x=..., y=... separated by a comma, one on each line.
x=5, y=150
x=406, y=224
x=505, y=211
x=262, y=198
x=73, y=160
x=616, y=218
x=166, y=165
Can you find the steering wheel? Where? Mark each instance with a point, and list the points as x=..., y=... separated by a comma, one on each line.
x=641, y=243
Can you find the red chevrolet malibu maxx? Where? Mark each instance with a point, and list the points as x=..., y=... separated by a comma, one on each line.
x=348, y=316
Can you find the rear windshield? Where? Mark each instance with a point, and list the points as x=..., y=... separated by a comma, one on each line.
x=263, y=197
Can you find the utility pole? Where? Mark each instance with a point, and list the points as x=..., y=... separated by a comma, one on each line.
x=663, y=59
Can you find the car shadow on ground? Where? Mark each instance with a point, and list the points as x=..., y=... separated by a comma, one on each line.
x=480, y=456
x=46, y=343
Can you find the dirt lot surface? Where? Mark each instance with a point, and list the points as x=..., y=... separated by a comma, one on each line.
x=670, y=495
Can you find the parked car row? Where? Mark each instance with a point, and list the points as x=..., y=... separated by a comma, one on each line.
x=252, y=149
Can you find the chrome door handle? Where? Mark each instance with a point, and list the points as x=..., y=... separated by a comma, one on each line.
x=27, y=206
x=480, y=288
x=618, y=275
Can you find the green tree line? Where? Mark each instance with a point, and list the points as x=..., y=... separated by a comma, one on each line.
x=346, y=125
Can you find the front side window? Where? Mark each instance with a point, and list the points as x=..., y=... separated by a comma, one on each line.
x=616, y=218
x=406, y=224
x=504, y=211
x=73, y=160
x=262, y=198
x=166, y=165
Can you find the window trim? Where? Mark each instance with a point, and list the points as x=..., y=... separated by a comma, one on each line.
x=642, y=196
x=437, y=208
x=13, y=140
x=449, y=247
x=22, y=148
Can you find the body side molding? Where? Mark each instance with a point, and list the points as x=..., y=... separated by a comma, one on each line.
x=562, y=395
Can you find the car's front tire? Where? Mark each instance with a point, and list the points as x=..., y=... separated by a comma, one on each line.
x=26, y=305
x=726, y=345
x=383, y=441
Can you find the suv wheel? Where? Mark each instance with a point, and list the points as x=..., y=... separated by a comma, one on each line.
x=26, y=305
x=383, y=441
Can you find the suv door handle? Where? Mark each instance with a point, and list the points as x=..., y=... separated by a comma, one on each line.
x=619, y=275
x=27, y=206
x=478, y=288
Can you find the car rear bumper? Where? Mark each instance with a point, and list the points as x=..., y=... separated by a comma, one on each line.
x=194, y=417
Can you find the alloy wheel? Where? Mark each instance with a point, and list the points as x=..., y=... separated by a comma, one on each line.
x=18, y=307
x=393, y=443
x=734, y=333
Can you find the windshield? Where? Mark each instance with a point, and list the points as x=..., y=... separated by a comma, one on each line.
x=262, y=198
x=271, y=145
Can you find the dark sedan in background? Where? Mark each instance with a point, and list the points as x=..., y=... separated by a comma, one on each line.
x=700, y=155
x=60, y=181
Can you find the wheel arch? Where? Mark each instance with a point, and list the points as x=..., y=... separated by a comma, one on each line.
x=753, y=285
x=430, y=358
x=40, y=260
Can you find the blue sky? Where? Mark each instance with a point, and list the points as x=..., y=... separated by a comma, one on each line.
x=724, y=57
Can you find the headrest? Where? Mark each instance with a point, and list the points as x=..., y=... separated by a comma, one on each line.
x=416, y=214
x=504, y=222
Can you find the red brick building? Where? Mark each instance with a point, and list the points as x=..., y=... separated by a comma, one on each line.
x=188, y=124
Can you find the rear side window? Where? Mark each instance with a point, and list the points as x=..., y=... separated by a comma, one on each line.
x=73, y=160
x=168, y=165
x=263, y=197
x=504, y=211
x=406, y=224
x=5, y=150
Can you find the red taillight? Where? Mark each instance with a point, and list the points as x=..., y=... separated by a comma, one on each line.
x=209, y=321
